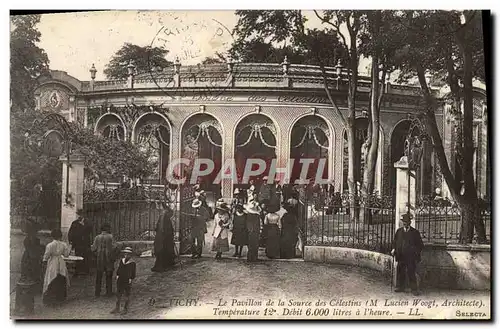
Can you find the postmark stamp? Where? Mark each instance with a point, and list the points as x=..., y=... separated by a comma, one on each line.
x=188, y=44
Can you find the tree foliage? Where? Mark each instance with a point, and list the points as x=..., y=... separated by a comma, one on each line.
x=27, y=60
x=213, y=60
x=268, y=36
x=143, y=58
x=107, y=159
x=29, y=172
x=448, y=45
x=33, y=171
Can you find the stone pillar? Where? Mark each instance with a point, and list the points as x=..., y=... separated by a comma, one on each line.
x=75, y=177
x=402, y=191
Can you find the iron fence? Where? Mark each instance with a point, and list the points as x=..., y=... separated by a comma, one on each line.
x=440, y=222
x=130, y=220
x=342, y=221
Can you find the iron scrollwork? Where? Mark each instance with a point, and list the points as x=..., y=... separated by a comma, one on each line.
x=37, y=141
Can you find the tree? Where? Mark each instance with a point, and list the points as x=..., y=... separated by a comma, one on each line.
x=143, y=58
x=27, y=62
x=106, y=159
x=449, y=45
x=352, y=19
x=217, y=59
x=267, y=35
x=259, y=32
x=379, y=40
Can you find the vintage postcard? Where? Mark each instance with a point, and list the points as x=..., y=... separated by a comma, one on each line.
x=250, y=164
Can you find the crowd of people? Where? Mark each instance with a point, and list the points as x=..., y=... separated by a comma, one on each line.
x=263, y=218
x=256, y=217
x=50, y=267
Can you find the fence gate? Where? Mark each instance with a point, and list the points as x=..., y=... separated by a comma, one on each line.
x=328, y=219
x=185, y=217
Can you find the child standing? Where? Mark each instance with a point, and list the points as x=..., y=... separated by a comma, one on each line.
x=124, y=276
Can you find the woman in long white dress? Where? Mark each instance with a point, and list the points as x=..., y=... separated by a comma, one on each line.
x=56, y=275
x=221, y=228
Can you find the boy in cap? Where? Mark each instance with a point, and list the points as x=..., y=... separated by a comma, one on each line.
x=124, y=276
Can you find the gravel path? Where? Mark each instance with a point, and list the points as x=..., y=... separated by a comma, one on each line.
x=206, y=282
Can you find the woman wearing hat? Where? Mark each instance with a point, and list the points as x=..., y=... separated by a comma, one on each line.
x=220, y=233
x=237, y=198
x=253, y=211
x=217, y=205
x=273, y=228
x=251, y=192
x=289, y=231
x=240, y=235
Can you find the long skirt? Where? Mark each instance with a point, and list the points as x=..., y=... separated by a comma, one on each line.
x=220, y=245
x=164, y=260
x=288, y=242
x=253, y=246
x=273, y=241
x=56, y=292
x=240, y=234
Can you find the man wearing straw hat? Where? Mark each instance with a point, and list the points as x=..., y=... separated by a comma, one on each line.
x=406, y=247
x=198, y=228
x=124, y=276
x=253, y=211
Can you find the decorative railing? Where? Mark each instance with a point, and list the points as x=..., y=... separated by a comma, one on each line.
x=131, y=212
x=332, y=219
x=244, y=74
x=440, y=221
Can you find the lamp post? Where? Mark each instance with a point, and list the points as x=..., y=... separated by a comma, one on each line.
x=93, y=72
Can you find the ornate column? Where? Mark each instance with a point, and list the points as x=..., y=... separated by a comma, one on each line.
x=228, y=155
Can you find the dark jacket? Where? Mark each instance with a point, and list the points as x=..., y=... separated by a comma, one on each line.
x=407, y=245
x=164, y=239
x=126, y=271
x=199, y=221
x=79, y=235
x=205, y=205
x=106, y=251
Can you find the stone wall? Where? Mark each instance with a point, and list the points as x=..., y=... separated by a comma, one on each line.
x=445, y=267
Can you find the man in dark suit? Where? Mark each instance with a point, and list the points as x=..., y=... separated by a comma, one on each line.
x=406, y=247
x=80, y=238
